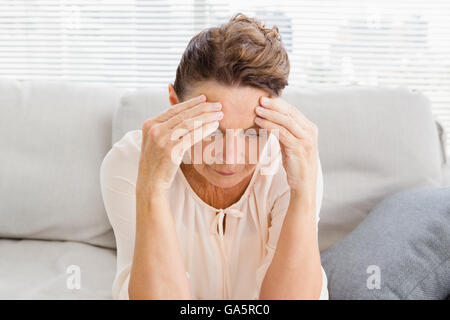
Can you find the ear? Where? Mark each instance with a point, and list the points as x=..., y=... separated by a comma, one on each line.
x=173, y=99
x=272, y=96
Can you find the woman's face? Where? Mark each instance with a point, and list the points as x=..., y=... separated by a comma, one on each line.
x=229, y=155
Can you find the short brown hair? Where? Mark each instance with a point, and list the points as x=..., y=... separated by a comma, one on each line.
x=240, y=52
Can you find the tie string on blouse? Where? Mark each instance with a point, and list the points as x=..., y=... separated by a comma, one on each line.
x=217, y=230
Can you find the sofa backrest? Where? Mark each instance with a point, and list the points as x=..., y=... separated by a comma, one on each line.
x=53, y=138
x=54, y=135
x=373, y=142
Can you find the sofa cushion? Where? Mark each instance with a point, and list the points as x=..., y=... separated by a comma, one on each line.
x=401, y=251
x=53, y=138
x=373, y=142
x=33, y=269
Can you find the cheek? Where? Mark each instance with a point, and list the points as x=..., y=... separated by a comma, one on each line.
x=202, y=153
x=208, y=150
x=253, y=149
x=249, y=168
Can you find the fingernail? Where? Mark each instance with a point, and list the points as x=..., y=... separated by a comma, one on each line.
x=260, y=110
x=217, y=106
x=265, y=101
x=219, y=115
x=201, y=97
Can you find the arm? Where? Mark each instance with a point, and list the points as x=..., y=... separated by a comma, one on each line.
x=158, y=270
x=296, y=256
x=140, y=226
x=149, y=263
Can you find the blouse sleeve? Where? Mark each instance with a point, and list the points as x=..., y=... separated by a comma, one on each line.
x=118, y=174
x=277, y=217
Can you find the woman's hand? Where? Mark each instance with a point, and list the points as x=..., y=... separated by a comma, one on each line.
x=298, y=140
x=158, y=270
x=166, y=138
x=297, y=253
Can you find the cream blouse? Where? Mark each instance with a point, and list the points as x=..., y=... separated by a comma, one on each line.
x=220, y=265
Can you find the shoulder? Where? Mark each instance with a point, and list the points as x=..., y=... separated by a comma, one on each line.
x=131, y=141
x=118, y=176
x=123, y=158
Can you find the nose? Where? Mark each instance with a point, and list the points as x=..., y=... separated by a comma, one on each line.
x=234, y=147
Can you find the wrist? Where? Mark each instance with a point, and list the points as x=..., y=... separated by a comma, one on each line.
x=302, y=198
x=150, y=196
x=150, y=186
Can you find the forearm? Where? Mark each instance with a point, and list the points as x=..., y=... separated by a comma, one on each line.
x=296, y=257
x=158, y=270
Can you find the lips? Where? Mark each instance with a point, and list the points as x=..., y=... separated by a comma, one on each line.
x=225, y=173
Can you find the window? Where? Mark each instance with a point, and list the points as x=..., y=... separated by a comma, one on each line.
x=138, y=43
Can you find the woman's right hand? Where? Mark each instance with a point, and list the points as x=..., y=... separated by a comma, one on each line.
x=166, y=138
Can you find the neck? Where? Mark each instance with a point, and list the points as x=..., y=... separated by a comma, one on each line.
x=214, y=196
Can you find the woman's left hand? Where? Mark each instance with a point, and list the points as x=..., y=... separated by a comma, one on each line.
x=298, y=140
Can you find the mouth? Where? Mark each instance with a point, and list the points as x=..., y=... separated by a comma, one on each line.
x=225, y=173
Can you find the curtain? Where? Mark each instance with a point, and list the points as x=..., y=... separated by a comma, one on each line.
x=138, y=43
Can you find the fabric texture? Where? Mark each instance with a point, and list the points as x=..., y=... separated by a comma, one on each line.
x=373, y=142
x=33, y=269
x=219, y=266
x=53, y=138
x=407, y=239
x=446, y=175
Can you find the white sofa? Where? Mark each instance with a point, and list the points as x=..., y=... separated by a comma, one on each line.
x=373, y=142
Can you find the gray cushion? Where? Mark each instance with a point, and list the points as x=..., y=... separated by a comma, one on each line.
x=53, y=138
x=407, y=236
x=31, y=269
x=373, y=142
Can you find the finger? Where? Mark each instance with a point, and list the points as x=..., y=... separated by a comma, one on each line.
x=282, y=106
x=180, y=107
x=188, y=120
x=201, y=133
x=192, y=137
x=205, y=107
x=281, y=132
x=195, y=122
x=282, y=119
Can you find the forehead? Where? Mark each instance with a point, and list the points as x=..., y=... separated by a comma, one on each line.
x=238, y=102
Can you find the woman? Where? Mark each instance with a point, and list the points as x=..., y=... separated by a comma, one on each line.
x=217, y=227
